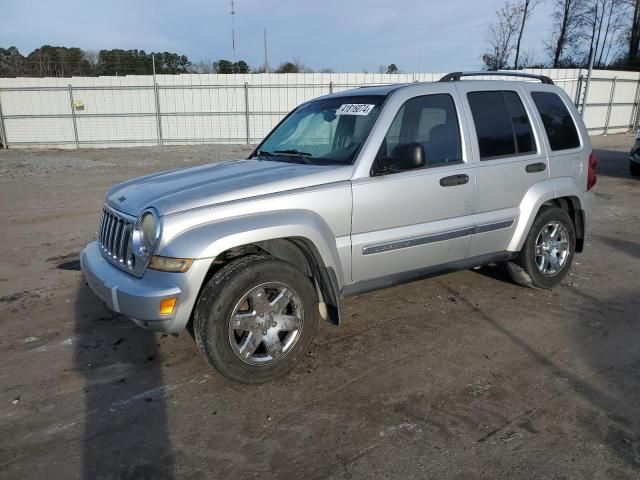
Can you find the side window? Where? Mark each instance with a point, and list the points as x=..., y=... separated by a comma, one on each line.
x=502, y=124
x=557, y=121
x=430, y=120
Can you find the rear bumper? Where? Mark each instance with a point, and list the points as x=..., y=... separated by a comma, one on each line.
x=588, y=202
x=139, y=298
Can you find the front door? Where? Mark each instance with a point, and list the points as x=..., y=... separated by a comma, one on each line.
x=408, y=220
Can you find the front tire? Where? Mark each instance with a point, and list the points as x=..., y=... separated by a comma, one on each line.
x=255, y=319
x=634, y=169
x=548, y=251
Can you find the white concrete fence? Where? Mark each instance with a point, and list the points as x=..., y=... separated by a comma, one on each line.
x=86, y=112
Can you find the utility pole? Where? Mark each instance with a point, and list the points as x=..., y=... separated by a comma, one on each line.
x=586, y=88
x=233, y=33
x=266, y=56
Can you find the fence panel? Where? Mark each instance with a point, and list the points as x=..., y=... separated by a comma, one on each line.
x=188, y=109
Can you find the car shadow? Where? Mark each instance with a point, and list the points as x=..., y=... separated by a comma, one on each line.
x=495, y=272
x=124, y=395
x=612, y=163
x=625, y=246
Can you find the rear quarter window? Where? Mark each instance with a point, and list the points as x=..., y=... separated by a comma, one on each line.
x=557, y=121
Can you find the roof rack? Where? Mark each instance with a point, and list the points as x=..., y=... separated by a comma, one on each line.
x=452, y=77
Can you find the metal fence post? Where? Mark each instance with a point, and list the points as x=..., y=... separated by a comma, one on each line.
x=578, y=92
x=634, y=121
x=73, y=116
x=246, y=111
x=3, y=131
x=156, y=94
x=613, y=91
x=331, y=86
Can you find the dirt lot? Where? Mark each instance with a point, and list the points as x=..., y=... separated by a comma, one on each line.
x=461, y=376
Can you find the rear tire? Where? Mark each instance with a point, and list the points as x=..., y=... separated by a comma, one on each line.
x=255, y=319
x=634, y=170
x=548, y=251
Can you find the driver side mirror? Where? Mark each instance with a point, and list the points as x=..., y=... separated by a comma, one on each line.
x=404, y=156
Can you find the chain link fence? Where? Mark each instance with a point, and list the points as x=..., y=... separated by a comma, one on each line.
x=199, y=109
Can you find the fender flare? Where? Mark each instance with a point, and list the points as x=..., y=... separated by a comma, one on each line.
x=208, y=240
x=536, y=196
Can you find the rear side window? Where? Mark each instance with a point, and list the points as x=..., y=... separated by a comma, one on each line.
x=557, y=121
x=502, y=124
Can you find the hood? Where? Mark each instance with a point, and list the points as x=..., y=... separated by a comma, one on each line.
x=177, y=190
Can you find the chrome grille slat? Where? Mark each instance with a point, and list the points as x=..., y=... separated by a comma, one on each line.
x=110, y=239
x=106, y=232
x=114, y=232
x=102, y=229
x=116, y=239
x=123, y=243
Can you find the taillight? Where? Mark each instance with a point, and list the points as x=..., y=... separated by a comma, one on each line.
x=592, y=178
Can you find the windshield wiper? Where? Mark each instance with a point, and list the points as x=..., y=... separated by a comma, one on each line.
x=293, y=153
x=262, y=153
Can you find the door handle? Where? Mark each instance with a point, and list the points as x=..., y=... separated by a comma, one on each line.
x=454, y=180
x=536, y=167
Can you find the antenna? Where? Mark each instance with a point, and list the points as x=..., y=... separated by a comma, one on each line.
x=233, y=31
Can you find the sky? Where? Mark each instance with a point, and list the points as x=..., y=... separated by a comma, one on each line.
x=346, y=36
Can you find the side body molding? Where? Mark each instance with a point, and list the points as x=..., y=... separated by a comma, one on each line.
x=208, y=240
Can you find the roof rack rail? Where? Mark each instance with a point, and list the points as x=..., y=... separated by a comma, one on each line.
x=452, y=77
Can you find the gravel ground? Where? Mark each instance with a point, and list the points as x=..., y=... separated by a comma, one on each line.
x=460, y=376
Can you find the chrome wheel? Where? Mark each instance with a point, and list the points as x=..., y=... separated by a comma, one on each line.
x=266, y=323
x=552, y=248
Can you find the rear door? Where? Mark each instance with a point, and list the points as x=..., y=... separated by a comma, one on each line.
x=509, y=157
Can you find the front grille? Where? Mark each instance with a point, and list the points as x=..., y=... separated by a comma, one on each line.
x=113, y=237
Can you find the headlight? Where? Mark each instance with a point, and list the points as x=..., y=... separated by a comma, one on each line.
x=168, y=264
x=146, y=233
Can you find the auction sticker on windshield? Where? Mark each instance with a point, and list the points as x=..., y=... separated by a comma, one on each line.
x=354, y=109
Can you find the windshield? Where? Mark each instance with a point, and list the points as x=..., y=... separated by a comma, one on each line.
x=323, y=132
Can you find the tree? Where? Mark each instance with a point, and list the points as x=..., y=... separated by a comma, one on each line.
x=633, y=55
x=124, y=62
x=501, y=37
x=11, y=62
x=171, y=63
x=91, y=57
x=223, y=66
x=49, y=61
x=288, y=67
x=392, y=68
x=604, y=20
x=242, y=67
x=202, y=66
x=526, y=8
x=568, y=22
x=226, y=66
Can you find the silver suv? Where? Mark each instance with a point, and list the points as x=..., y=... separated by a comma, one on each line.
x=351, y=192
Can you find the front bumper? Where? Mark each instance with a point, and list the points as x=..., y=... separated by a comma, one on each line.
x=139, y=298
